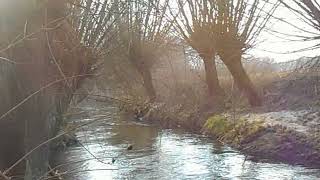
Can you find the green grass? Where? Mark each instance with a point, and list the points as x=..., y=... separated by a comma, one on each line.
x=232, y=131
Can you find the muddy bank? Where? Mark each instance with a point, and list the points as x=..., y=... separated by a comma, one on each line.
x=263, y=137
x=284, y=145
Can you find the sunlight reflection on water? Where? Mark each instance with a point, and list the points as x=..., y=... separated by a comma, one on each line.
x=163, y=154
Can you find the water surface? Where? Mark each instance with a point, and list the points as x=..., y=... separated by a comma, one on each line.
x=157, y=154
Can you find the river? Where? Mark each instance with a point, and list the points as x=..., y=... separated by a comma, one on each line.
x=156, y=153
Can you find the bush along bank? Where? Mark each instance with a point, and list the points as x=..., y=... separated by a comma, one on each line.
x=166, y=116
x=273, y=143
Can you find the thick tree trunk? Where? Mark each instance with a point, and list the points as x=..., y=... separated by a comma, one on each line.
x=242, y=80
x=35, y=120
x=214, y=88
x=148, y=84
x=143, y=67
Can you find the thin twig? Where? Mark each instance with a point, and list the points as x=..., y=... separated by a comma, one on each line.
x=46, y=142
x=30, y=152
x=34, y=33
x=3, y=176
x=53, y=56
x=91, y=153
x=69, y=163
x=8, y=60
x=40, y=90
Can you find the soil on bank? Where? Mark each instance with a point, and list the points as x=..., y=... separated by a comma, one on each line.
x=285, y=129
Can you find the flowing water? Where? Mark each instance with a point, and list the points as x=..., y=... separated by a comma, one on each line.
x=156, y=153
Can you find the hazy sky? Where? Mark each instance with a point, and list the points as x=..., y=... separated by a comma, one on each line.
x=277, y=47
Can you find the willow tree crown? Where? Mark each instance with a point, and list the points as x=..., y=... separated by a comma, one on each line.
x=232, y=23
x=308, y=12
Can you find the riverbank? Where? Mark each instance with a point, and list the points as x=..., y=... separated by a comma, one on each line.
x=156, y=153
x=271, y=137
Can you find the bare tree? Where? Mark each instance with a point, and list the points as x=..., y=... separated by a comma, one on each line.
x=143, y=31
x=132, y=30
x=228, y=28
x=196, y=22
x=308, y=12
x=95, y=21
x=239, y=23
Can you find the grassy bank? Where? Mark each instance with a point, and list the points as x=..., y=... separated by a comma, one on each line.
x=273, y=143
x=256, y=139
